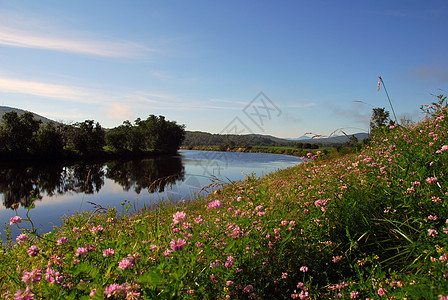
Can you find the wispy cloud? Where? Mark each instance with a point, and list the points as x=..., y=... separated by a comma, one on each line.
x=47, y=90
x=36, y=34
x=78, y=94
x=17, y=38
x=437, y=73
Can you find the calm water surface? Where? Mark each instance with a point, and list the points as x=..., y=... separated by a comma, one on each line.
x=62, y=190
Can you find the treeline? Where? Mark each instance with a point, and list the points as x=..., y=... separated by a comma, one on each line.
x=226, y=141
x=23, y=136
x=197, y=138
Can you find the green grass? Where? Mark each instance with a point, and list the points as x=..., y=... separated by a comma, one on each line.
x=365, y=225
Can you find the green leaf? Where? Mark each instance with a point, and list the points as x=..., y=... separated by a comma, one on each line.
x=99, y=294
x=153, y=278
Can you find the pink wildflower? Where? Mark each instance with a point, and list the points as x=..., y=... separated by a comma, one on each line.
x=382, y=291
x=81, y=251
x=25, y=295
x=63, y=240
x=96, y=229
x=303, y=295
x=113, y=290
x=199, y=220
x=337, y=259
x=179, y=217
x=15, y=220
x=432, y=232
x=215, y=204
x=33, y=276
x=53, y=276
x=126, y=263
x=354, y=295
x=92, y=292
x=229, y=262
x=22, y=238
x=431, y=180
x=33, y=251
x=108, y=252
x=133, y=295
x=304, y=269
x=177, y=245
x=248, y=288
x=411, y=190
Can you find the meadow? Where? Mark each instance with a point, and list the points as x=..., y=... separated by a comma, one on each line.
x=368, y=225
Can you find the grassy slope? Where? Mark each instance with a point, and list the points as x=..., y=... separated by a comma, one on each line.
x=366, y=225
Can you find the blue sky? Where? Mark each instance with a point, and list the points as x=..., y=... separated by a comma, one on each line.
x=204, y=63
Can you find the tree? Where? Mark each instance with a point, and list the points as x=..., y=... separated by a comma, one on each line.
x=49, y=141
x=352, y=140
x=88, y=138
x=153, y=134
x=19, y=132
x=380, y=118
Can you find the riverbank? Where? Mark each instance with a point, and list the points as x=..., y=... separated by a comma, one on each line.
x=367, y=225
x=299, y=152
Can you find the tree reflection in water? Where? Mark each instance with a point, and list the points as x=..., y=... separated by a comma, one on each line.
x=19, y=182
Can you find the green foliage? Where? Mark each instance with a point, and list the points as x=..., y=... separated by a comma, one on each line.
x=153, y=134
x=380, y=118
x=49, y=141
x=18, y=132
x=366, y=225
x=88, y=137
x=24, y=137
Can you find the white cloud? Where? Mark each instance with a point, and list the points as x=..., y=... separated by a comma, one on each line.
x=23, y=32
x=48, y=90
x=77, y=94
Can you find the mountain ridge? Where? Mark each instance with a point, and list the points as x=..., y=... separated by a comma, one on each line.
x=6, y=109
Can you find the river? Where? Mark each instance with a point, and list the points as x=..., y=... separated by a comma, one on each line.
x=62, y=190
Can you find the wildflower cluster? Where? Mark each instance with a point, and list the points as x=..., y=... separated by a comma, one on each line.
x=369, y=225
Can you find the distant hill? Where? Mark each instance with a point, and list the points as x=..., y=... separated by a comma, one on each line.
x=302, y=138
x=199, y=138
x=5, y=109
x=340, y=138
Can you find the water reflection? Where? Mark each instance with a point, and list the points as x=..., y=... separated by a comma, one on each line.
x=152, y=174
x=19, y=182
